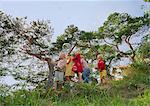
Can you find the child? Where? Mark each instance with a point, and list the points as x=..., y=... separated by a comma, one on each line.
x=86, y=70
x=77, y=67
x=59, y=72
x=102, y=68
x=69, y=73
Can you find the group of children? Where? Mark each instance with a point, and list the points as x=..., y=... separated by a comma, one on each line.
x=68, y=66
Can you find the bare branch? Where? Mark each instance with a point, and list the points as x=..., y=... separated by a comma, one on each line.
x=108, y=42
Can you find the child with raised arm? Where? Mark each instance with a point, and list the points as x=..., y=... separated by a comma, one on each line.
x=78, y=67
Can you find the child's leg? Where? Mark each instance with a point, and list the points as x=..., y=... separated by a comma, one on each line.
x=103, y=80
x=55, y=80
x=105, y=77
x=80, y=76
x=59, y=86
x=55, y=85
x=61, y=80
x=88, y=74
x=84, y=75
x=106, y=80
x=101, y=77
x=67, y=78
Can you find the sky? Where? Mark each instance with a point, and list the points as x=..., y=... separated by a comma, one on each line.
x=88, y=15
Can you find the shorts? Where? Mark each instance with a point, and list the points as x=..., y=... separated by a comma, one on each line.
x=103, y=74
x=59, y=76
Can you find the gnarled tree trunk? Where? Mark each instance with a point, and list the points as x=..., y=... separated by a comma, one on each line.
x=50, y=75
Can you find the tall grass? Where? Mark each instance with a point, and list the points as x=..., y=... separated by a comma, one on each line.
x=141, y=100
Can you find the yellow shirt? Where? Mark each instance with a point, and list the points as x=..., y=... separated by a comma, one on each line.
x=69, y=66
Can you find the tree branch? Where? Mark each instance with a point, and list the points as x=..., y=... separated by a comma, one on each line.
x=110, y=61
x=127, y=40
x=135, y=43
x=117, y=48
x=39, y=56
x=108, y=42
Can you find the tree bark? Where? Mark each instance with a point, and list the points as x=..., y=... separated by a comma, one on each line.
x=50, y=75
x=127, y=40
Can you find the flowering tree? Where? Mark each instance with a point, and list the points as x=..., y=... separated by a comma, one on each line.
x=20, y=39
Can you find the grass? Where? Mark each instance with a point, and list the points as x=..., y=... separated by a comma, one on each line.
x=141, y=100
x=132, y=91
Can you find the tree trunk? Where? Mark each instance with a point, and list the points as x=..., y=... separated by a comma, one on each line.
x=50, y=66
x=50, y=76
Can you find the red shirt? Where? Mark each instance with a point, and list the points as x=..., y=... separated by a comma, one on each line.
x=101, y=65
x=77, y=63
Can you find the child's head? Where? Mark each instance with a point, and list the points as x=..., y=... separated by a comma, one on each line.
x=77, y=52
x=82, y=56
x=99, y=57
x=62, y=55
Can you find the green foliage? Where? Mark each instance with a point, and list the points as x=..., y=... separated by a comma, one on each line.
x=23, y=97
x=147, y=0
x=121, y=24
x=106, y=50
x=87, y=36
x=120, y=27
x=114, y=26
x=66, y=40
x=3, y=71
x=144, y=49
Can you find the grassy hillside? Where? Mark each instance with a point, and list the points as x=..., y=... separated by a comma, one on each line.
x=134, y=90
